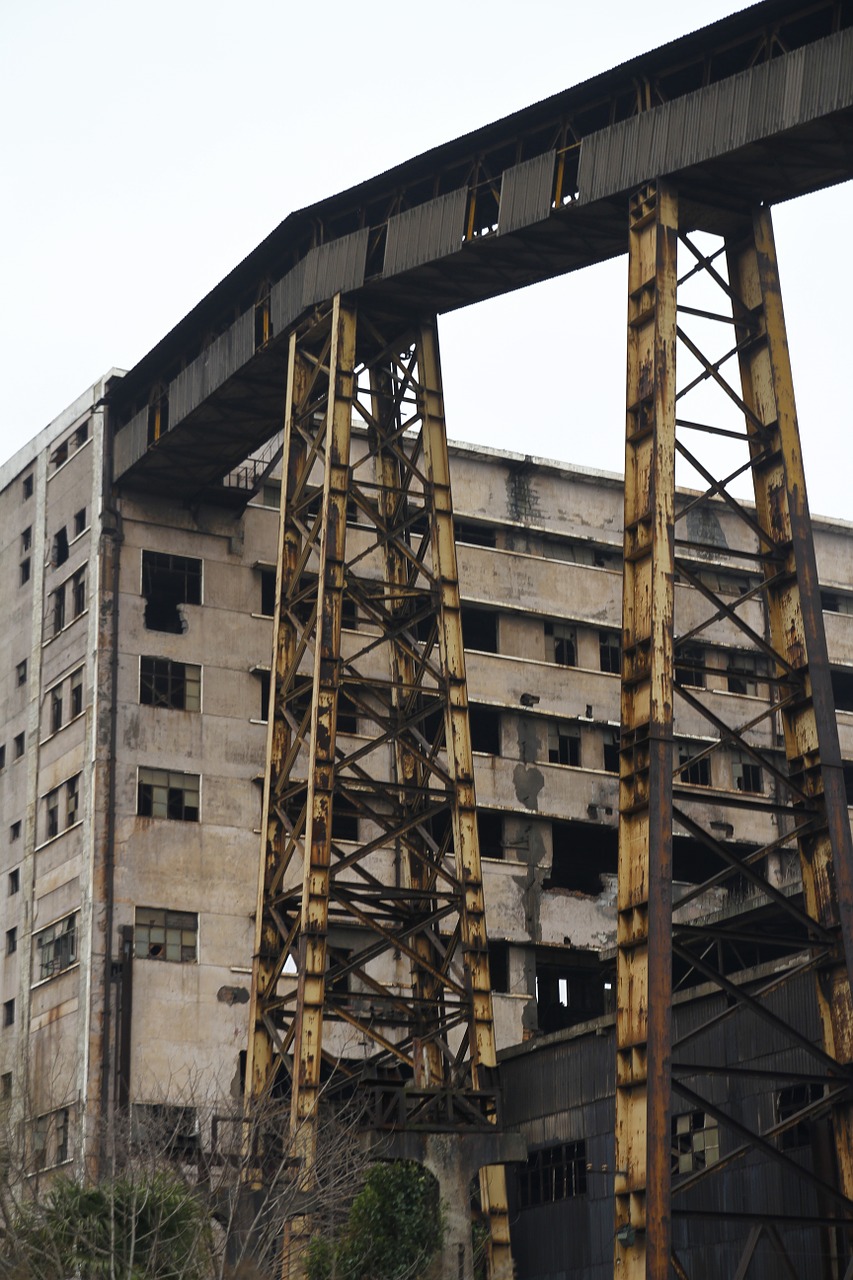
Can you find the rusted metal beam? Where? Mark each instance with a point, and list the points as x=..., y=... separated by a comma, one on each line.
x=642, y=1238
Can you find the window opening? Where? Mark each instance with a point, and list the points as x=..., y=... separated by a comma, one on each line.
x=15, y=831
x=696, y=772
x=21, y=672
x=690, y=666
x=164, y=683
x=480, y=629
x=746, y=774
x=562, y=643
x=56, y=948
x=19, y=745
x=564, y=744
x=695, y=1142
x=490, y=832
x=166, y=935
x=78, y=592
x=167, y=582
x=56, y=709
x=52, y=814
x=72, y=800
x=79, y=522
x=27, y=487
x=11, y=941
x=553, y=1174
x=610, y=652
x=485, y=729
x=27, y=538
x=268, y=592
x=162, y=1127
x=8, y=1013
x=789, y=1101
x=475, y=534
x=60, y=547
x=25, y=571
x=14, y=881
x=611, y=750
x=741, y=673
x=77, y=693
x=163, y=794
x=499, y=965
x=57, y=599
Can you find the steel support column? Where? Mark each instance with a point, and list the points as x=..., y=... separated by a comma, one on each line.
x=371, y=975
x=642, y=1245
x=763, y=567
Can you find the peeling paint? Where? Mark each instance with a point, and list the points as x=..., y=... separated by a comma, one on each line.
x=528, y=783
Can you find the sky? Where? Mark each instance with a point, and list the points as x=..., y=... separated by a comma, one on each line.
x=147, y=148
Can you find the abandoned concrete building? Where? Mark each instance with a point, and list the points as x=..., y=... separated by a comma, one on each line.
x=136, y=643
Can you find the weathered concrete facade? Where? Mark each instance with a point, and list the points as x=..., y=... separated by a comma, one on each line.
x=137, y=637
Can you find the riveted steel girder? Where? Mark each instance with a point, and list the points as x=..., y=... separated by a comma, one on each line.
x=371, y=973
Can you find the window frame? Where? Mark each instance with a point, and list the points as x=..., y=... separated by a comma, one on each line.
x=168, y=804
x=64, y=943
x=175, y=922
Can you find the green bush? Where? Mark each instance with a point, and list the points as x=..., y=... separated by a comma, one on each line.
x=393, y=1231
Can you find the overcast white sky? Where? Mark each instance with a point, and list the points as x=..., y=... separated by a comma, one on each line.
x=148, y=147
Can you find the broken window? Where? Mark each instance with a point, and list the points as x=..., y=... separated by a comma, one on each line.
x=746, y=774
x=166, y=935
x=81, y=435
x=20, y=741
x=696, y=772
x=51, y=824
x=480, y=629
x=610, y=652
x=27, y=487
x=78, y=592
x=474, y=533
x=56, y=709
x=25, y=571
x=77, y=693
x=552, y=1174
x=14, y=881
x=490, y=831
x=59, y=455
x=159, y=1127
x=267, y=592
x=72, y=800
x=55, y=948
x=742, y=672
x=27, y=538
x=499, y=965
x=21, y=673
x=611, y=750
x=57, y=609
x=164, y=683
x=262, y=675
x=842, y=688
x=164, y=794
x=564, y=743
x=344, y=820
x=690, y=666
x=562, y=644
x=836, y=602
x=582, y=852
x=347, y=717
x=50, y=1138
x=167, y=582
x=3, y=756
x=15, y=831
x=695, y=1142
x=79, y=522
x=789, y=1101
x=59, y=553
x=11, y=941
x=485, y=729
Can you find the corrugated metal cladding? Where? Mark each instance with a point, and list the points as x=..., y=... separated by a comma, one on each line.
x=224, y=356
x=336, y=267
x=526, y=191
x=778, y=95
x=286, y=298
x=429, y=231
x=130, y=443
x=562, y=1091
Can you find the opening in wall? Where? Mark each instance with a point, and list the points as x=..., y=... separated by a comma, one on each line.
x=167, y=582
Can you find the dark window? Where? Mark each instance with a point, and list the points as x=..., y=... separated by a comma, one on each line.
x=167, y=582
x=697, y=772
x=14, y=881
x=746, y=774
x=56, y=948
x=499, y=965
x=6, y=1086
x=788, y=1102
x=77, y=693
x=60, y=547
x=271, y=494
x=610, y=652
x=52, y=814
x=164, y=683
x=8, y=1013
x=553, y=1174
x=695, y=1142
x=162, y=794
x=690, y=666
x=264, y=682
x=15, y=831
x=21, y=672
x=490, y=832
x=268, y=592
x=161, y=1127
x=166, y=935
x=347, y=718
x=56, y=709
x=11, y=941
x=847, y=766
x=79, y=522
x=582, y=852
x=60, y=454
x=836, y=602
x=842, y=688
x=3, y=756
x=485, y=730
x=81, y=435
x=19, y=745
x=611, y=750
x=478, y=535
x=57, y=599
x=741, y=673
x=564, y=744
x=72, y=800
x=25, y=571
x=562, y=642
x=78, y=592
x=27, y=538
x=480, y=630
x=344, y=820
x=27, y=487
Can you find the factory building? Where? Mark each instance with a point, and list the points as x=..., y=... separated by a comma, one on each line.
x=137, y=636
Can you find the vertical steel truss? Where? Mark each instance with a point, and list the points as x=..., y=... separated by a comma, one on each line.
x=371, y=968
x=660, y=683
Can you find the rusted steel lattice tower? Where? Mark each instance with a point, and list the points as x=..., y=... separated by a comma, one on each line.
x=371, y=963
x=657, y=948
